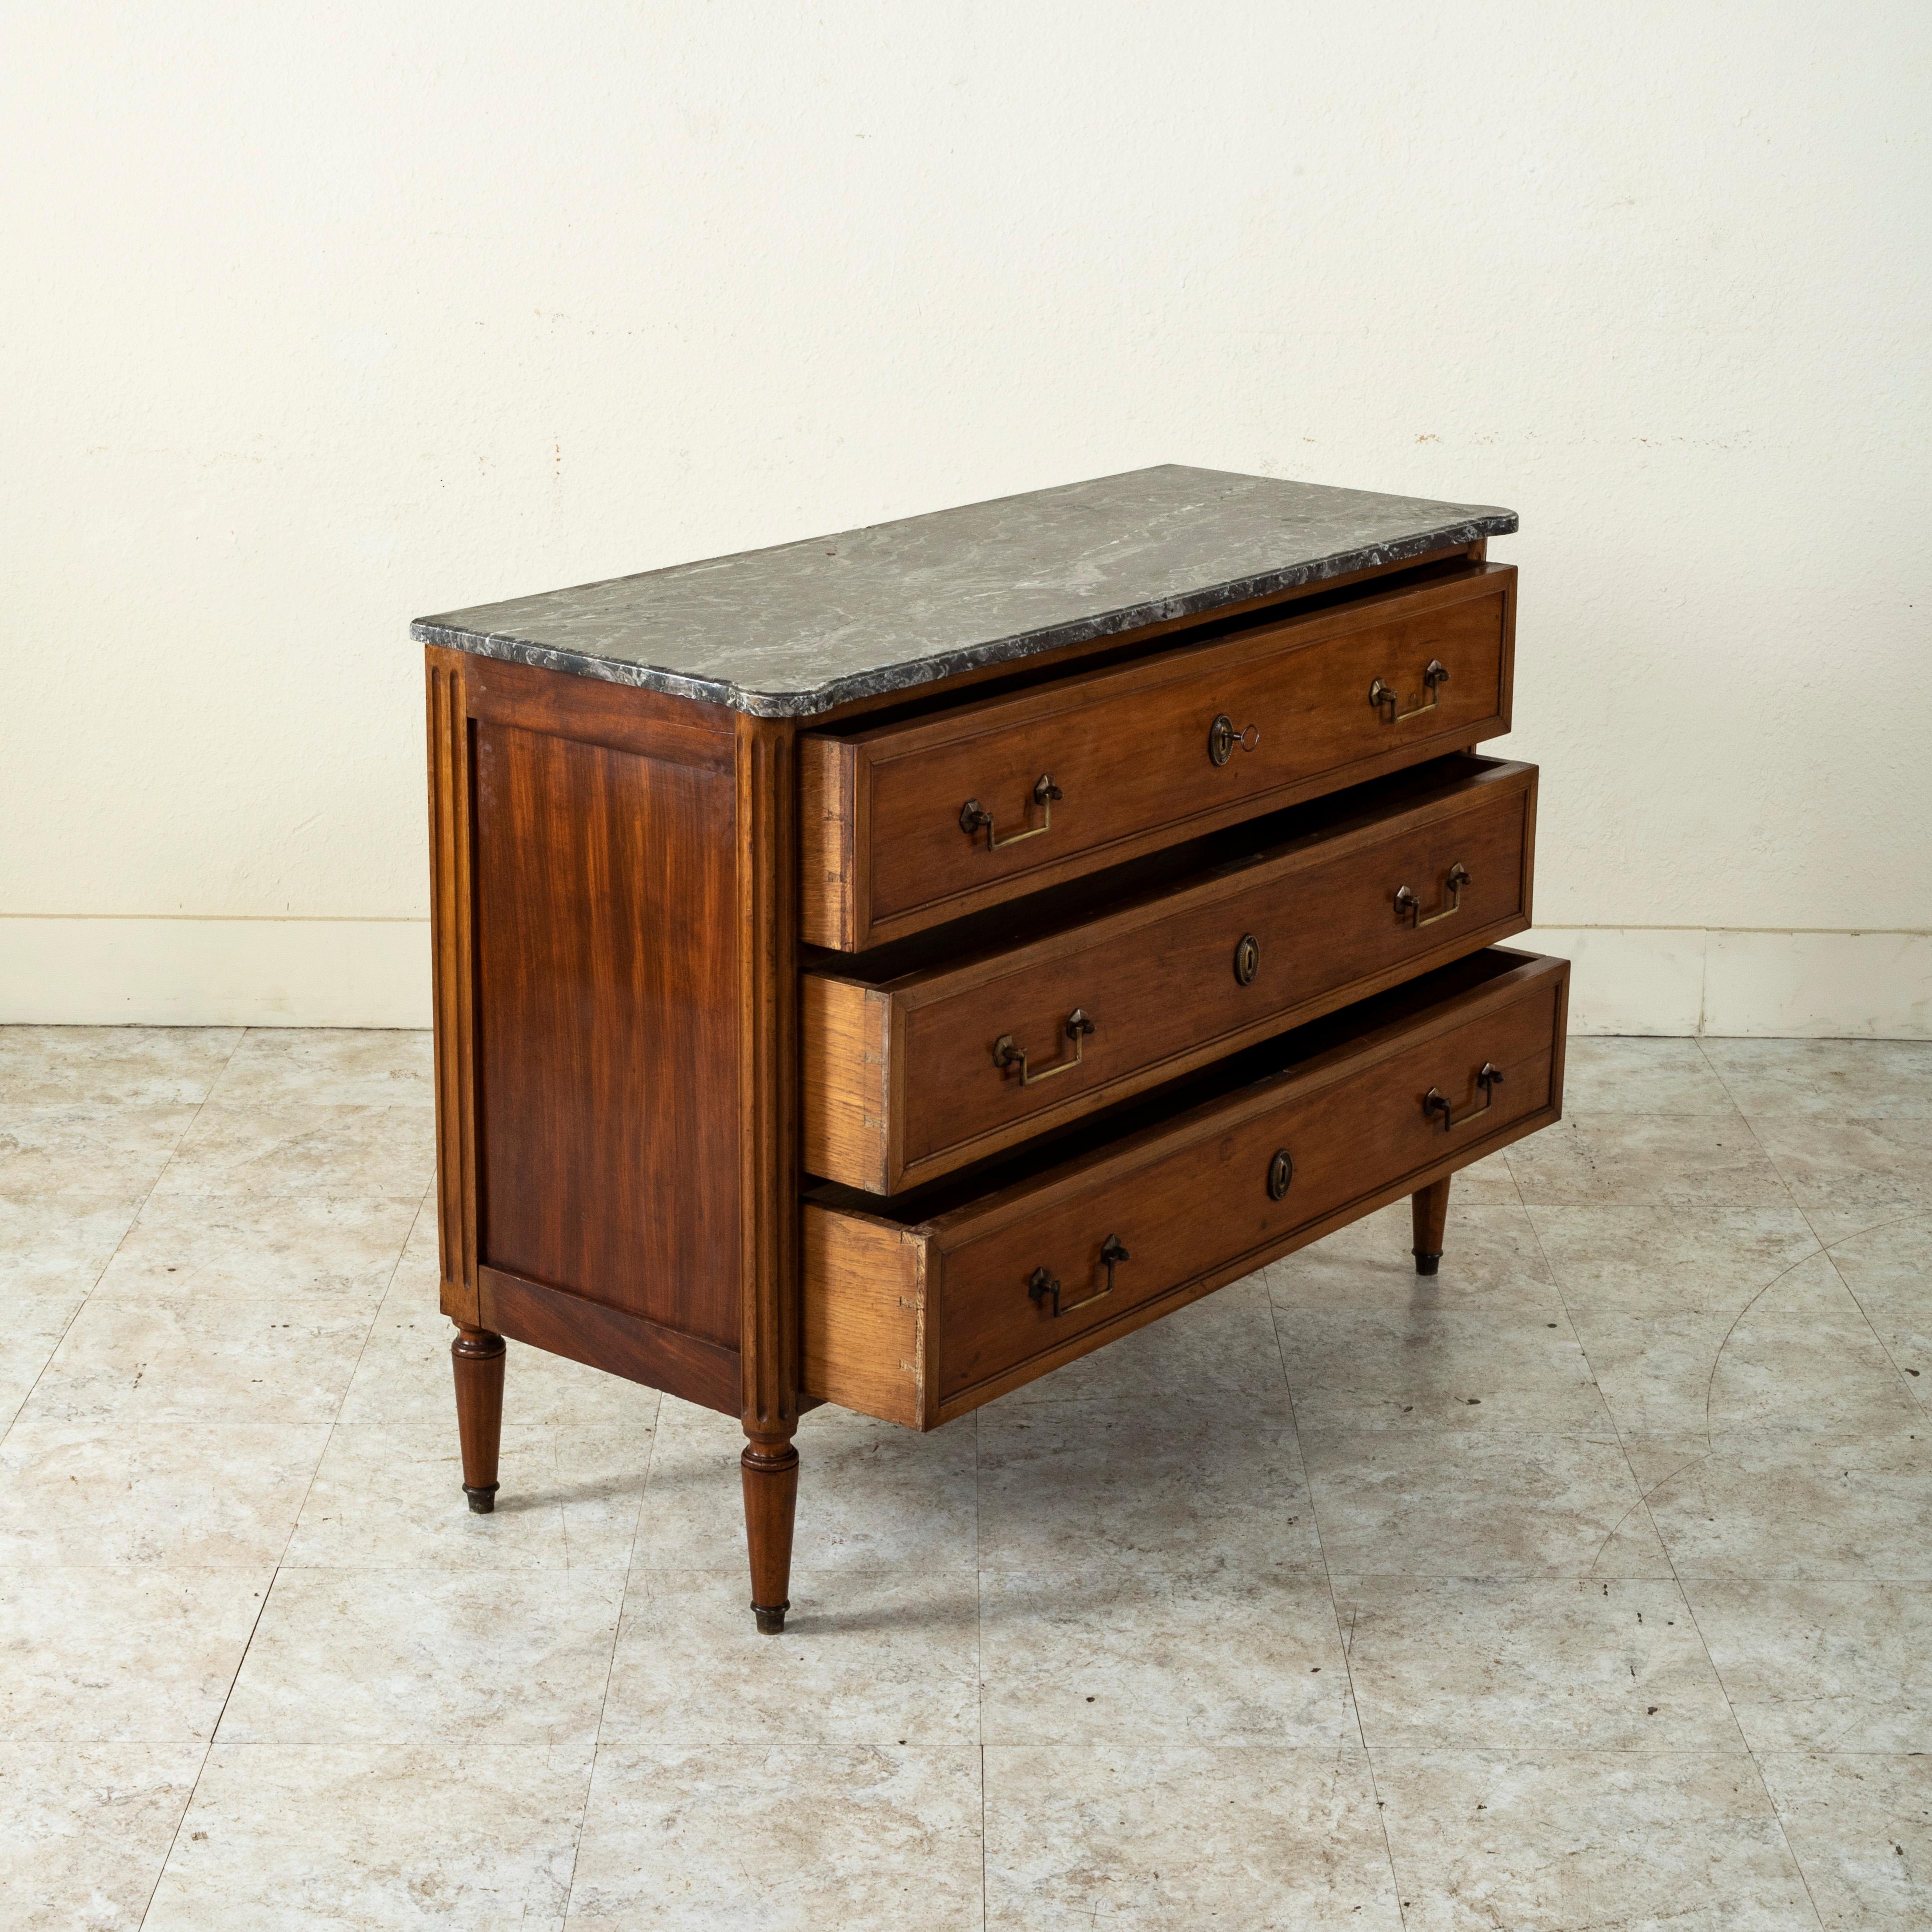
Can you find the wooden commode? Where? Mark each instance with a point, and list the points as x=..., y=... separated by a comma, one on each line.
x=881, y=969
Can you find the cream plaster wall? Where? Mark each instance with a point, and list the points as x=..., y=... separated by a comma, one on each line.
x=317, y=318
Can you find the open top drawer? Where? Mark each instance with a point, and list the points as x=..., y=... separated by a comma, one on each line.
x=908, y=823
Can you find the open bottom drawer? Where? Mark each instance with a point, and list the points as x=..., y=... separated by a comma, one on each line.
x=976, y=1285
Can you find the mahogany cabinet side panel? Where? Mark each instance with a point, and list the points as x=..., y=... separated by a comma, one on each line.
x=605, y=1338
x=453, y=980
x=607, y=1049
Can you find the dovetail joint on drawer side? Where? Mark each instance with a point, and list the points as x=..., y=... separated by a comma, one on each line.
x=828, y=798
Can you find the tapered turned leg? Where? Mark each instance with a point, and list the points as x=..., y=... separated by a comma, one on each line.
x=770, y=1467
x=1430, y=1207
x=478, y=1357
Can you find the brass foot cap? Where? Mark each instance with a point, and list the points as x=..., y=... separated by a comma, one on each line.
x=1426, y=1264
x=771, y=1623
x=482, y=1497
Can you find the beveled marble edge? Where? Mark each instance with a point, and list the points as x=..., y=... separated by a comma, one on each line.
x=933, y=670
x=764, y=700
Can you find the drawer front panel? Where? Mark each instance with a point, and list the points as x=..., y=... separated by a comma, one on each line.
x=1171, y=991
x=1188, y=1211
x=911, y=824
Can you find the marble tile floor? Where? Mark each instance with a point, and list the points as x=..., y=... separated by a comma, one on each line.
x=1589, y=1584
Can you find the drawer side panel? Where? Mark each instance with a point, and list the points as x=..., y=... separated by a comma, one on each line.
x=847, y=1093
x=863, y=1325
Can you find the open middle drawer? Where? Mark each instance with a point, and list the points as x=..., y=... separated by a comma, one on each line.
x=918, y=1060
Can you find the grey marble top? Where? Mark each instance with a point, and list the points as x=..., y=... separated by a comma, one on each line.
x=795, y=630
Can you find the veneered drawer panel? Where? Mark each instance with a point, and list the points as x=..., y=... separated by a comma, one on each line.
x=910, y=824
x=906, y=1077
x=947, y=1310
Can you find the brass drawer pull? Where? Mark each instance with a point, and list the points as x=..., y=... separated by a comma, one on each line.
x=1005, y=1054
x=1409, y=907
x=1281, y=1172
x=1223, y=740
x=1489, y=1080
x=972, y=815
x=1040, y=1284
x=1383, y=698
x=1247, y=959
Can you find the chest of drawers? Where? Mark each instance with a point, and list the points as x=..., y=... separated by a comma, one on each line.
x=882, y=969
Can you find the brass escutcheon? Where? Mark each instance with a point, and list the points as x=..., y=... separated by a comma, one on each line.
x=1223, y=740
x=1247, y=959
x=1281, y=1172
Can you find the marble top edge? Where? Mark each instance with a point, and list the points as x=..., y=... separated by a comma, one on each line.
x=799, y=629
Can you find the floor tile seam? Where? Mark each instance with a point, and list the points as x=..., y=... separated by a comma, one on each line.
x=295, y=1517
x=610, y=1668
x=1150, y=1574
x=345, y=1740
x=214, y=1732
x=1751, y=1128
x=1672, y=1203
x=1822, y=1751
x=1555, y=1281
x=1345, y=1639
x=805, y=1745
x=1898, y=1373
x=248, y=1032
x=30, y=1565
x=1730, y=1703
x=133, y=1221
x=1170, y=1747
x=161, y=1866
x=979, y=1643
x=1605, y=1432
x=376, y=1311
x=416, y=1197
x=1667, y=1752
x=1728, y=1753
x=1524, y=1745
x=1699, y=1580
x=1643, y=1495
x=986, y=1889
x=1348, y=1578
x=1515, y=1180
x=1784, y=1838
x=100, y=1426
x=1901, y=1211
